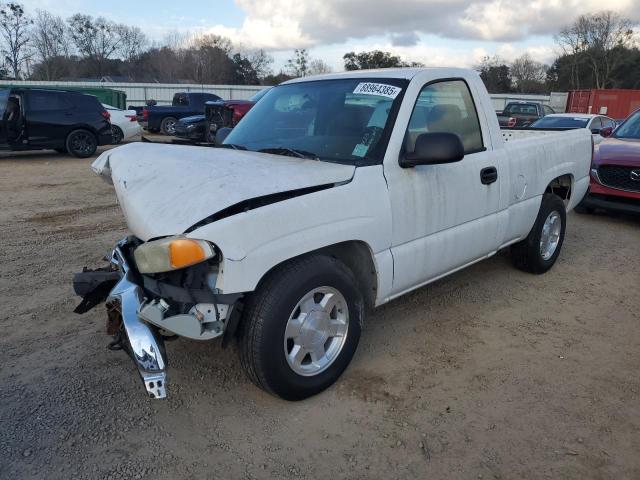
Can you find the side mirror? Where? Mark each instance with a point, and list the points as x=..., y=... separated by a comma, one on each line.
x=434, y=149
x=606, y=132
x=221, y=134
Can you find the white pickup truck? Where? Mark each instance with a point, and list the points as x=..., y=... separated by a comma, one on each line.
x=334, y=194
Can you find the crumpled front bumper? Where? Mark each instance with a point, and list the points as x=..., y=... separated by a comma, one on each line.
x=144, y=344
x=124, y=298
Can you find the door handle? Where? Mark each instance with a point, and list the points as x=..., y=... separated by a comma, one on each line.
x=488, y=175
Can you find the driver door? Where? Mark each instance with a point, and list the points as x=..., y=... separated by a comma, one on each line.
x=444, y=216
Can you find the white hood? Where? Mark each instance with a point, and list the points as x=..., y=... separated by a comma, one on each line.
x=165, y=189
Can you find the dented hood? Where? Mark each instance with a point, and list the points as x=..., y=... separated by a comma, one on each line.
x=165, y=189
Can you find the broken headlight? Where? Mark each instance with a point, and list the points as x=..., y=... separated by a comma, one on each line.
x=171, y=253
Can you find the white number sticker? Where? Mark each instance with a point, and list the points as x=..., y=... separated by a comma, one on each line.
x=379, y=89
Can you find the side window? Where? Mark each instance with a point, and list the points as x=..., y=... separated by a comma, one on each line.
x=446, y=107
x=46, y=101
x=547, y=110
x=596, y=124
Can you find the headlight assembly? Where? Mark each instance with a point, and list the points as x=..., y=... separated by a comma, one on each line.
x=171, y=253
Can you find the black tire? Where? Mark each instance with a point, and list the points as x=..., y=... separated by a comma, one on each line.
x=118, y=135
x=526, y=255
x=168, y=125
x=262, y=331
x=81, y=143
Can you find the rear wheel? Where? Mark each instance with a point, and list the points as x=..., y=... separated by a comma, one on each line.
x=81, y=143
x=118, y=135
x=301, y=327
x=540, y=250
x=168, y=125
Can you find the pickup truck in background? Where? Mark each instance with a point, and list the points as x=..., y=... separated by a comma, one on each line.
x=335, y=194
x=217, y=115
x=163, y=118
x=522, y=114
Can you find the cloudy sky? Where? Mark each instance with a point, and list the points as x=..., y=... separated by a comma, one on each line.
x=434, y=32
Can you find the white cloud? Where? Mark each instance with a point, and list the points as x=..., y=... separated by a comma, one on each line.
x=287, y=24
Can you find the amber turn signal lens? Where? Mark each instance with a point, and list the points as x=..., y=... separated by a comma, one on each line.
x=185, y=252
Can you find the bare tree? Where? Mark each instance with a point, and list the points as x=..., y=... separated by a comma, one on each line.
x=50, y=43
x=528, y=75
x=97, y=40
x=210, y=40
x=261, y=62
x=132, y=42
x=14, y=30
x=597, y=37
x=318, y=67
x=298, y=65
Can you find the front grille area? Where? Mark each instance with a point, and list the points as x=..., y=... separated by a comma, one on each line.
x=619, y=177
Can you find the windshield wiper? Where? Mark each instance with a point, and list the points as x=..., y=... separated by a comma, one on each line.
x=290, y=152
x=232, y=146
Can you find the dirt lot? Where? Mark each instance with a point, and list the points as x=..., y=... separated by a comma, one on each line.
x=490, y=373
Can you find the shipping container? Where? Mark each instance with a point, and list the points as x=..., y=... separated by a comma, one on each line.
x=615, y=103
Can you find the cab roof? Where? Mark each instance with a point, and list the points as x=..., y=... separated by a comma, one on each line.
x=398, y=73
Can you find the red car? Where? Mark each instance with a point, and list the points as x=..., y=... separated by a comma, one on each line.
x=615, y=171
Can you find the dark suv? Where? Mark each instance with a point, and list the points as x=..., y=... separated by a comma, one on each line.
x=37, y=119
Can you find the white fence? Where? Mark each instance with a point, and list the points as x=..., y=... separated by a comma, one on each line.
x=139, y=93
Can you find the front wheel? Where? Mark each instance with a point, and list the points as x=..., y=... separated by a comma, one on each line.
x=81, y=143
x=539, y=251
x=302, y=327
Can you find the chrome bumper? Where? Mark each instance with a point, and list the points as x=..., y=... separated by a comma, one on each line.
x=144, y=344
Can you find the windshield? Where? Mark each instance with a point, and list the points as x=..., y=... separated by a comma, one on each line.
x=346, y=120
x=630, y=128
x=560, y=122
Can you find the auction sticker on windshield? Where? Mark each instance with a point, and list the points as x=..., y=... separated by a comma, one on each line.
x=379, y=89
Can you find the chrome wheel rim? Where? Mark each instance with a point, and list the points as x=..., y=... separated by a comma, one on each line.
x=170, y=126
x=316, y=331
x=550, y=237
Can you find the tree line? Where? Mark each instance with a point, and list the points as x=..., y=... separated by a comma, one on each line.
x=596, y=51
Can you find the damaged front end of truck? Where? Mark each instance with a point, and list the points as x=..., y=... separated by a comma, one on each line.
x=145, y=308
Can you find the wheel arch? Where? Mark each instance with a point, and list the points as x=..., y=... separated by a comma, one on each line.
x=355, y=254
x=562, y=186
x=82, y=126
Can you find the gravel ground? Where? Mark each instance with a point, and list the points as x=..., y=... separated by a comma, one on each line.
x=490, y=373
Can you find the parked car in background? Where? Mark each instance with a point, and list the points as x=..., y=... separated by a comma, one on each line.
x=218, y=114
x=522, y=114
x=615, y=172
x=333, y=195
x=156, y=118
x=600, y=126
x=64, y=121
x=124, y=123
